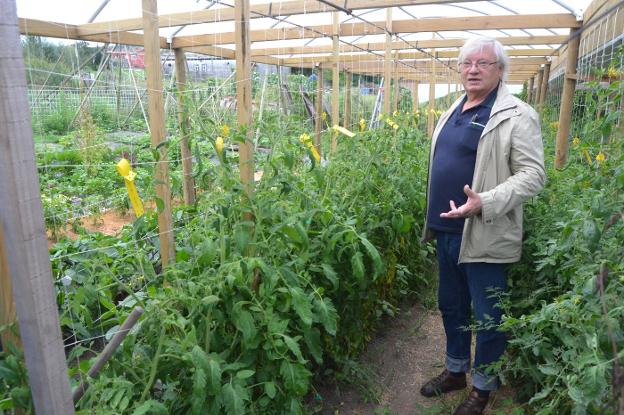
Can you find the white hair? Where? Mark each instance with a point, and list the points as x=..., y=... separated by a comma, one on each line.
x=478, y=43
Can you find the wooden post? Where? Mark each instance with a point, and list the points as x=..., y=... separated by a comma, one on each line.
x=388, y=63
x=397, y=87
x=538, y=86
x=243, y=93
x=432, y=85
x=7, y=305
x=544, y=87
x=567, y=100
x=156, y=110
x=318, y=121
x=188, y=183
x=530, y=90
x=25, y=256
x=415, y=97
x=335, y=81
x=347, y=99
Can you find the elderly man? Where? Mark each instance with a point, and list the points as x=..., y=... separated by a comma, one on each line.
x=486, y=160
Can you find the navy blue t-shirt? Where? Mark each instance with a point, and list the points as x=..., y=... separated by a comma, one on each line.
x=454, y=160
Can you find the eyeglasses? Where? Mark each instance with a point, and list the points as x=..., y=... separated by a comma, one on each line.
x=480, y=64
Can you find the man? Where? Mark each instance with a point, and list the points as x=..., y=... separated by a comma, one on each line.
x=486, y=160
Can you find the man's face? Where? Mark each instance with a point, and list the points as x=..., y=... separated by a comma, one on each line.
x=483, y=75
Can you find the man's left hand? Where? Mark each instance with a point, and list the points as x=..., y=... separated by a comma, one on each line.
x=472, y=207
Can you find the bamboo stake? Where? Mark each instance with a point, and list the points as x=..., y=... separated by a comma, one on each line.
x=432, y=85
x=318, y=120
x=388, y=63
x=347, y=99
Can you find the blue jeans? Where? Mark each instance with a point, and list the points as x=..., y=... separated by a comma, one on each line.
x=461, y=284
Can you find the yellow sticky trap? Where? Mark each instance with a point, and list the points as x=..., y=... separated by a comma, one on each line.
x=124, y=169
x=344, y=131
x=307, y=140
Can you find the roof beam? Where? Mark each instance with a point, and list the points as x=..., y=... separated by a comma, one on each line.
x=424, y=44
x=35, y=27
x=531, y=21
x=224, y=14
x=411, y=55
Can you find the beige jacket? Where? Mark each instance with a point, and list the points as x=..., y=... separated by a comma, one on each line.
x=509, y=169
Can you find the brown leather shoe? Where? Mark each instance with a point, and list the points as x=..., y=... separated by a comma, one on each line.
x=473, y=405
x=443, y=383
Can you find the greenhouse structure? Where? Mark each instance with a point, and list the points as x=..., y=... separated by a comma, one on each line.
x=216, y=206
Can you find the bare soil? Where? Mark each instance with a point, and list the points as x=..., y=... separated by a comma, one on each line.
x=406, y=352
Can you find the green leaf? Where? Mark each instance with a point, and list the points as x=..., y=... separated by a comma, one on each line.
x=160, y=204
x=233, y=396
x=243, y=320
x=357, y=266
x=312, y=338
x=242, y=239
x=244, y=374
x=293, y=345
x=302, y=306
x=151, y=407
x=373, y=253
x=326, y=313
x=296, y=377
x=269, y=389
x=331, y=275
x=198, y=396
x=214, y=377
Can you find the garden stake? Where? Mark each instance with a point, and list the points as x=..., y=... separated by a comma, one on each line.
x=108, y=351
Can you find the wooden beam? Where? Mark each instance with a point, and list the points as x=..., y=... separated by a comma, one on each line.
x=35, y=27
x=431, y=112
x=424, y=44
x=532, y=21
x=530, y=90
x=244, y=96
x=567, y=101
x=388, y=63
x=8, y=315
x=270, y=9
x=538, y=85
x=25, y=256
x=347, y=100
x=415, y=101
x=544, y=87
x=188, y=183
x=396, y=90
x=156, y=111
x=366, y=57
x=335, y=82
x=225, y=53
x=318, y=120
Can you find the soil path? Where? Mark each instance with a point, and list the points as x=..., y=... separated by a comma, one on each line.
x=406, y=352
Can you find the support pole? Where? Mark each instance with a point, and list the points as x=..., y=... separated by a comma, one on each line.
x=347, y=100
x=544, y=87
x=335, y=81
x=415, y=97
x=156, y=111
x=7, y=305
x=188, y=183
x=538, y=87
x=567, y=100
x=388, y=63
x=25, y=256
x=397, y=88
x=432, y=85
x=243, y=94
x=530, y=90
x=318, y=120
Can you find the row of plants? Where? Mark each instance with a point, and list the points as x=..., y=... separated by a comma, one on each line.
x=252, y=312
x=564, y=313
